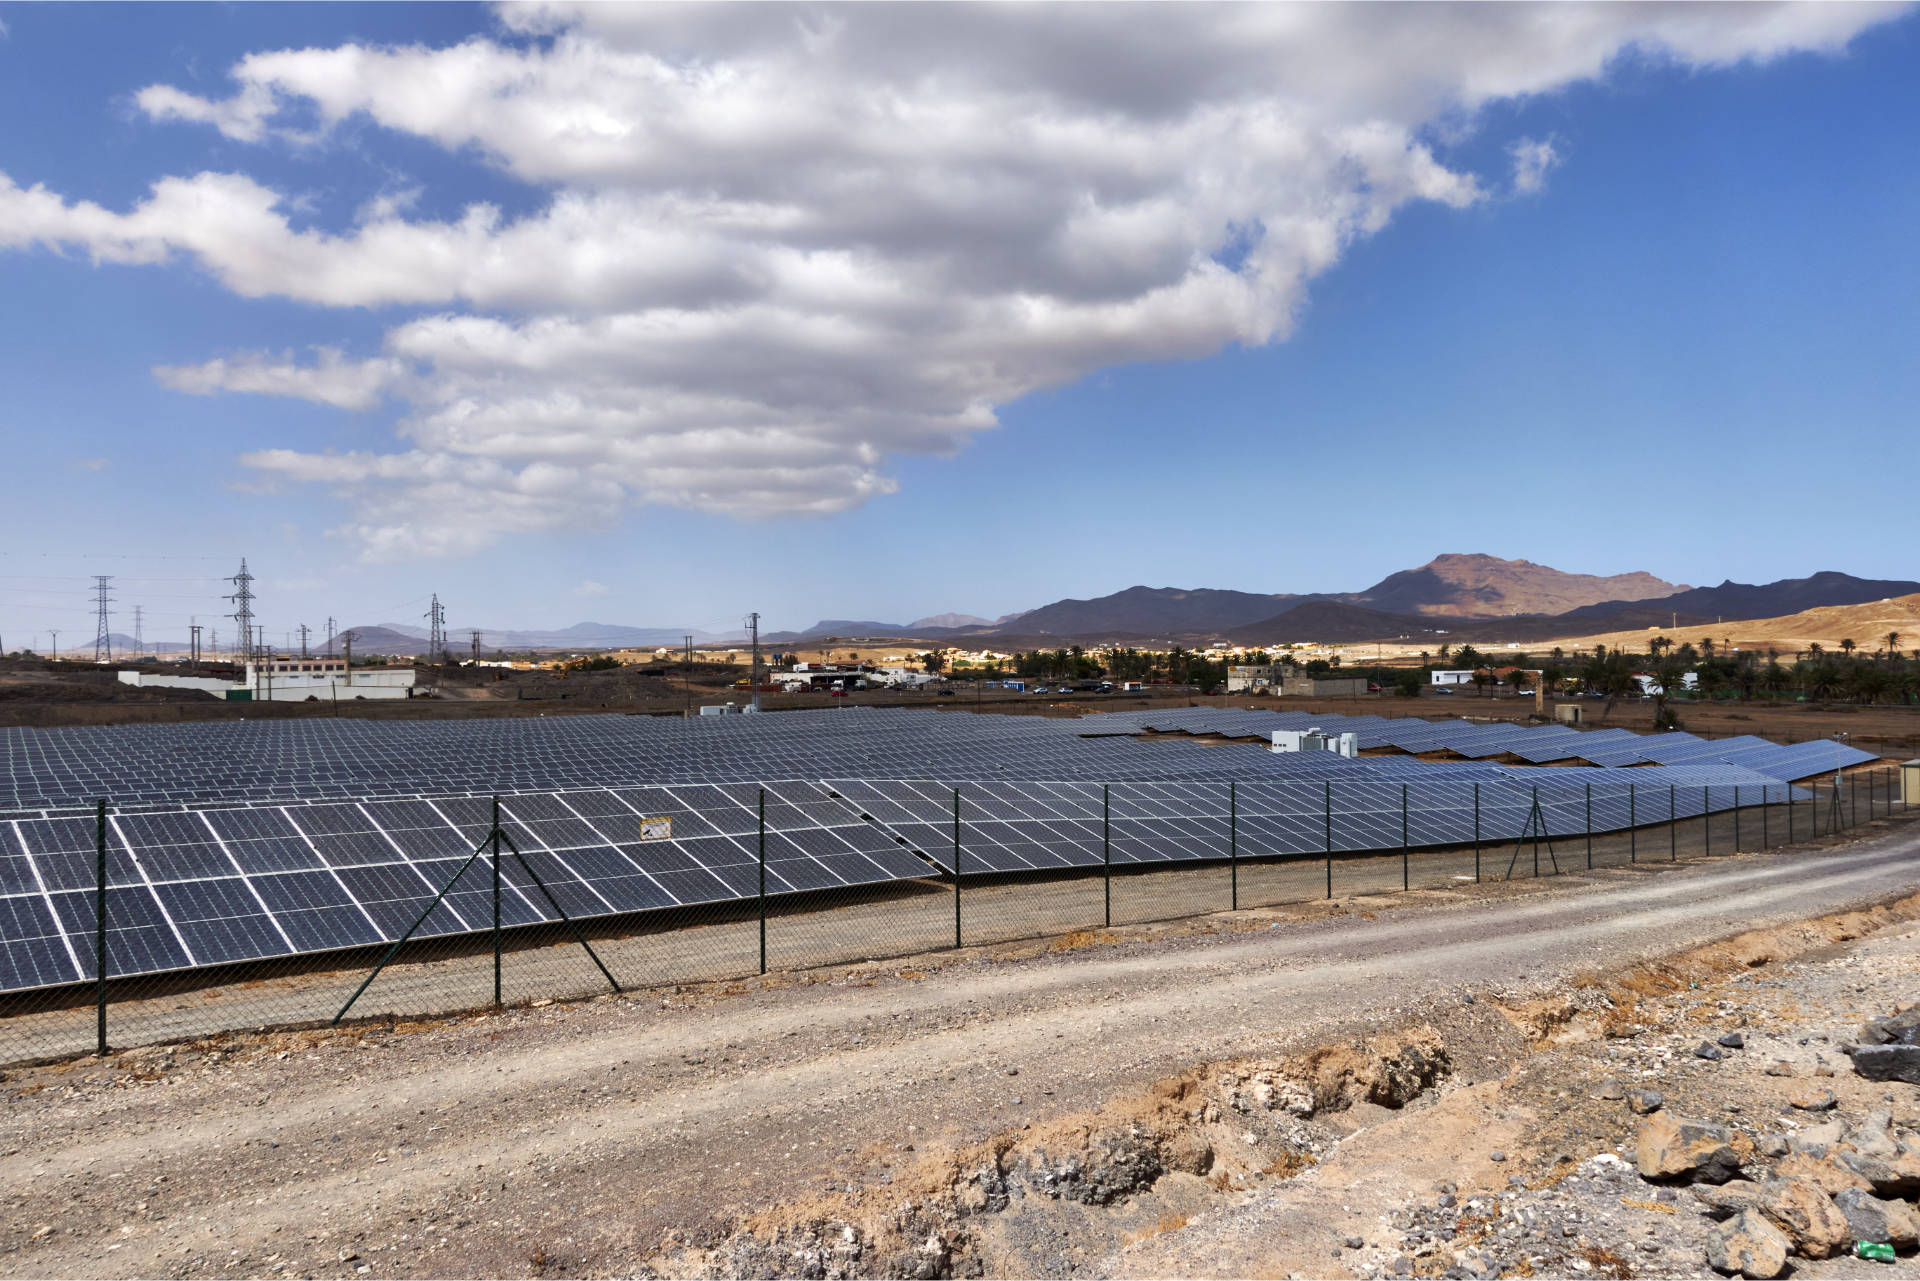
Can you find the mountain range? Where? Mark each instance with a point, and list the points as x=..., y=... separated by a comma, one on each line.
x=1458, y=597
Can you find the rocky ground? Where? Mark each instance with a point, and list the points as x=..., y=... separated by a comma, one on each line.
x=1452, y=1083
x=1636, y=1124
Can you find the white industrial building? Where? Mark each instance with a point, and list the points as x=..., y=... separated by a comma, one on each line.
x=1314, y=740
x=290, y=680
x=1453, y=677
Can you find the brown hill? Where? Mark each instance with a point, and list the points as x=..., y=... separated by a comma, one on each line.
x=1470, y=586
x=1866, y=625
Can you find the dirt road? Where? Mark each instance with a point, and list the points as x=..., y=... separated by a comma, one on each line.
x=576, y=1139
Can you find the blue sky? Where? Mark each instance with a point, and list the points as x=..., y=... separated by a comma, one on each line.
x=1688, y=351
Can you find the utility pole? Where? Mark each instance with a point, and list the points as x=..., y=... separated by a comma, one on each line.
x=242, y=615
x=476, y=646
x=193, y=644
x=753, y=670
x=346, y=639
x=329, y=635
x=56, y=642
x=436, y=617
x=102, y=638
x=689, y=676
x=139, y=641
x=303, y=641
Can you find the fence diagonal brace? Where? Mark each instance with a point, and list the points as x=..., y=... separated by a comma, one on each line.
x=579, y=938
x=418, y=922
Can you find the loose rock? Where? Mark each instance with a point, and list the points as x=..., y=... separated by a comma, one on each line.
x=1674, y=1149
x=1816, y=1227
x=1747, y=1245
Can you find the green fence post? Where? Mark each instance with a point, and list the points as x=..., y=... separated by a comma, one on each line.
x=1535, y=813
x=1790, y=790
x=1633, y=824
x=1106, y=854
x=763, y=880
x=1673, y=823
x=1589, y=827
x=1329, y=814
x=1233, y=841
x=1476, y=833
x=1405, y=875
x=100, y=926
x=956, y=867
x=1736, y=818
x=1706, y=820
x=493, y=839
x=1764, y=824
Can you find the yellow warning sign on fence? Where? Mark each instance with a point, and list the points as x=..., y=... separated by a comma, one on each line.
x=656, y=829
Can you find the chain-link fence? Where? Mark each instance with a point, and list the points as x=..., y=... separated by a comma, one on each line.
x=514, y=918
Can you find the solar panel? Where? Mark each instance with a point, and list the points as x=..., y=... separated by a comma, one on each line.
x=233, y=842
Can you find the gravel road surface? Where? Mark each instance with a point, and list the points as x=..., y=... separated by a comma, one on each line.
x=574, y=1139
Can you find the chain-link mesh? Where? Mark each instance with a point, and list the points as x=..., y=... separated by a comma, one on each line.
x=517, y=917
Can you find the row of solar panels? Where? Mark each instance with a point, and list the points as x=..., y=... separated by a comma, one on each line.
x=214, y=886
x=204, y=763
x=1543, y=744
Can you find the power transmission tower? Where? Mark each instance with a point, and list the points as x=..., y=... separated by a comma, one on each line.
x=194, y=643
x=303, y=641
x=102, y=638
x=242, y=615
x=476, y=646
x=139, y=641
x=56, y=641
x=436, y=617
x=329, y=635
x=753, y=671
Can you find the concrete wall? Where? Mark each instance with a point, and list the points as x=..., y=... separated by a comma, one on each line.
x=1323, y=687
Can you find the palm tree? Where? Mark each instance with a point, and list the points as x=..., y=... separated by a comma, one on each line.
x=1847, y=646
x=1706, y=647
x=1893, y=644
x=1774, y=679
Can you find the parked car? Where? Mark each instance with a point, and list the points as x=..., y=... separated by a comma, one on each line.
x=836, y=693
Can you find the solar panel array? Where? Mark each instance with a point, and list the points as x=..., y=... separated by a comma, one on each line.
x=216, y=885
x=236, y=842
x=1531, y=744
x=1022, y=826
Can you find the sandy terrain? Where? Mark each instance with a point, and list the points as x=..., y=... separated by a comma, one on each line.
x=1866, y=625
x=721, y=1129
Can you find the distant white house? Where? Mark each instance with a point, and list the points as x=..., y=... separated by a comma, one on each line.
x=1453, y=677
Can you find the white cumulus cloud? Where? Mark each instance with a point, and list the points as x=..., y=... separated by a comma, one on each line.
x=1532, y=158
x=780, y=246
